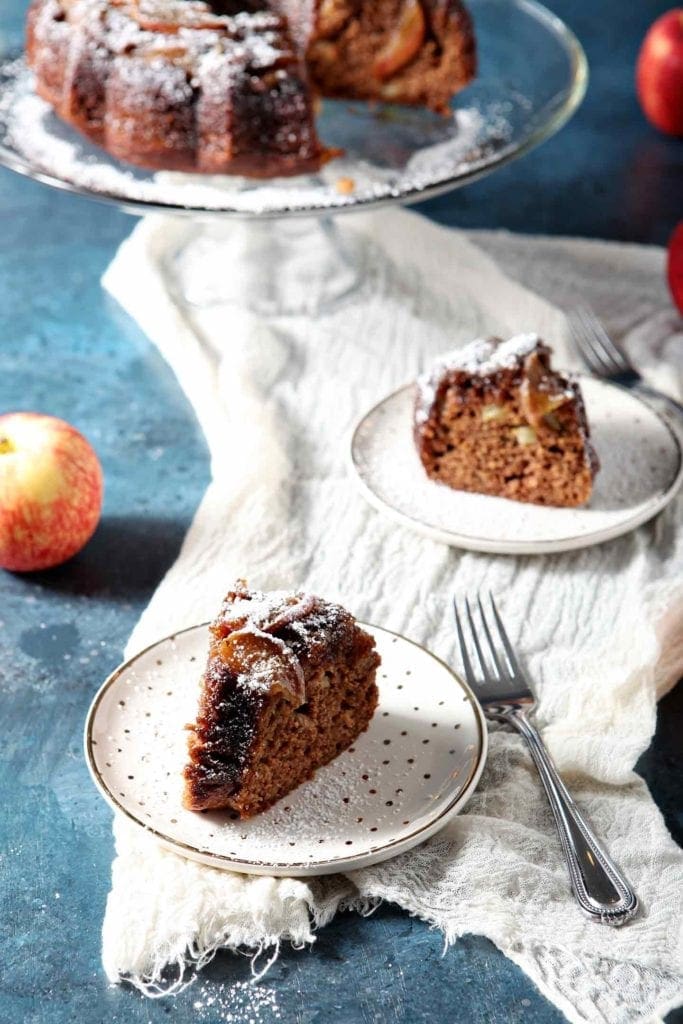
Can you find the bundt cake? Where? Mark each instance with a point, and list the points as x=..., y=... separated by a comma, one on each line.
x=228, y=86
x=495, y=418
x=289, y=684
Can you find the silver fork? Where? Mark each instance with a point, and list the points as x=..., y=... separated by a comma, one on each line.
x=505, y=695
x=605, y=359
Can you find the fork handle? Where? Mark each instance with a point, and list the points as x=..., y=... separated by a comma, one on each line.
x=599, y=886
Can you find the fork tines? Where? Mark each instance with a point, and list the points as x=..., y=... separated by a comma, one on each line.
x=597, y=348
x=501, y=668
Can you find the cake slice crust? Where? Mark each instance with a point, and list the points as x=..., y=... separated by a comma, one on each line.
x=289, y=684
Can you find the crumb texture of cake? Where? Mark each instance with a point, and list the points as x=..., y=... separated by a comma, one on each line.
x=495, y=418
x=289, y=685
x=229, y=86
x=418, y=52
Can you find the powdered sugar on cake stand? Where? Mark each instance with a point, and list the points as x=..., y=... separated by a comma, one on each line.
x=392, y=154
x=431, y=150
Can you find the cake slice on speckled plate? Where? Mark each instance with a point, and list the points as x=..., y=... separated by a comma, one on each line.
x=289, y=684
x=495, y=418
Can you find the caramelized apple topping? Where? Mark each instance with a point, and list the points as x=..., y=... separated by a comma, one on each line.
x=323, y=52
x=260, y=656
x=153, y=16
x=538, y=399
x=404, y=44
x=332, y=16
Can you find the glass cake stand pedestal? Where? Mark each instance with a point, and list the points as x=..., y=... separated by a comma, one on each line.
x=284, y=234
x=291, y=266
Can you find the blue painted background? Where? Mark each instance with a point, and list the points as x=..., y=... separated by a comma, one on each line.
x=66, y=349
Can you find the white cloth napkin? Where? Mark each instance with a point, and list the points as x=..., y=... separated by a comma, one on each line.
x=602, y=629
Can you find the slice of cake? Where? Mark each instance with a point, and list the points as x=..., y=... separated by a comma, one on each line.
x=289, y=684
x=495, y=418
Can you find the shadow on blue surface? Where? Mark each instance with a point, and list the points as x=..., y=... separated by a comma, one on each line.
x=128, y=555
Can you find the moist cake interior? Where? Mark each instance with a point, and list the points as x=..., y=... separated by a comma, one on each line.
x=495, y=418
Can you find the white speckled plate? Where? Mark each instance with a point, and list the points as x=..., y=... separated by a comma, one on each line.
x=641, y=470
x=402, y=780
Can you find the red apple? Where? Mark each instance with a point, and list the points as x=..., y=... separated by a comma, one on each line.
x=50, y=491
x=674, y=266
x=659, y=74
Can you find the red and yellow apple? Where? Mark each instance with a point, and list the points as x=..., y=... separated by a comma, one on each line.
x=674, y=266
x=659, y=73
x=51, y=488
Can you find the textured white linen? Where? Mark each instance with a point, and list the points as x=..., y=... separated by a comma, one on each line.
x=602, y=629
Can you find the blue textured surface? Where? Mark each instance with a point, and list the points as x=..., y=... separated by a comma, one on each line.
x=67, y=350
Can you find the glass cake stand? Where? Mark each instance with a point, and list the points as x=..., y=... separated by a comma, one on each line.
x=532, y=76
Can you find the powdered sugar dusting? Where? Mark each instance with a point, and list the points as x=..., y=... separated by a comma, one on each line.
x=387, y=158
x=481, y=357
x=487, y=355
x=276, y=609
x=257, y=655
x=273, y=662
x=240, y=1003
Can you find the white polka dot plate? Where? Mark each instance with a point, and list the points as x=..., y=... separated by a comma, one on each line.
x=400, y=782
x=641, y=471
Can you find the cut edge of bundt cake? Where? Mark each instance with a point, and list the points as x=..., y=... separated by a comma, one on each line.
x=415, y=52
x=495, y=418
x=289, y=684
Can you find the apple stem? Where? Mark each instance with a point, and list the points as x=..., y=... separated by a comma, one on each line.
x=6, y=446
